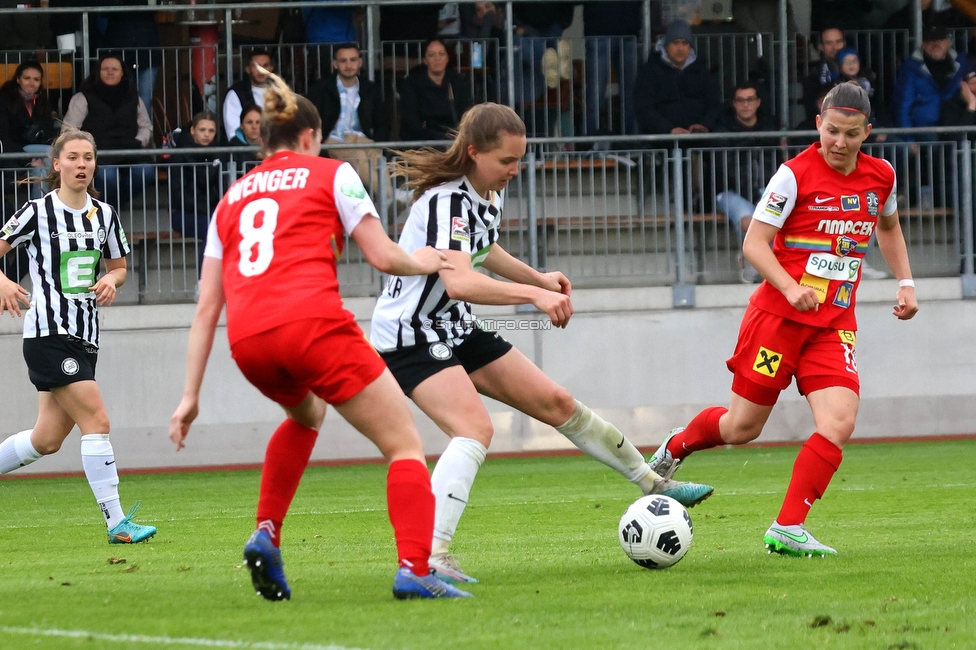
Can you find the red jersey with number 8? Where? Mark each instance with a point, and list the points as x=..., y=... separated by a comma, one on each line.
x=825, y=222
x=279, y=230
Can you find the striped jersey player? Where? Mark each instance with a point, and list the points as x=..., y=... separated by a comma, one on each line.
x=66, y=246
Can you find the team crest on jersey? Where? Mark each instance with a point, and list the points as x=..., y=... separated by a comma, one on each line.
x=775, y=204
x=9, y=227
x=70, y=366
x=873, y=202
x=844, y=246
x=843, y=296
x=767, y=362
x=353, y=190
x=849, y=202
x=440, y=351
x=459, y=229
x=101, y=236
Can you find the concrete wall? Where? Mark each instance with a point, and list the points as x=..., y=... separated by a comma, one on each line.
x=626, y=353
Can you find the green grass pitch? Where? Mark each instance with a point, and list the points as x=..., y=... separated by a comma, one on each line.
x=540, y=534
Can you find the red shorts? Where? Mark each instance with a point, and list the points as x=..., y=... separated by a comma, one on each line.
x=772, y=350
x=330, y=358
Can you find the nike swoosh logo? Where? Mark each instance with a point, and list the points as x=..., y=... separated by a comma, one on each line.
x=817, y=199
x=622, y=441
x=796, y=538
x=110, y=462
x=123, y=537
x=807, y=501
x=451, y=496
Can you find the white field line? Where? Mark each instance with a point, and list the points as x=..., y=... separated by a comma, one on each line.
x=167, y=640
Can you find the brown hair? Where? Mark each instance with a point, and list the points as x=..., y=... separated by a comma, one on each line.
x=848, y=97
x=54, y=178
x=285, y=116
x=481, y=127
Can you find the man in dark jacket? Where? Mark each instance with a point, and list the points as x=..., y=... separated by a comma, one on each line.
x=248, y=91
x=961, y=109
x=352, y=111
x=675, y=92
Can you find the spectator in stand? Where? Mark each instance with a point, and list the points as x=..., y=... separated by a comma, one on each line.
x=809, y=123
x=543, y=59
x=611, y=30
x=849, y=62
x=248, y=134
x=352, y=111
x=108, y=107
x=27, y=119
x=825, y=71
x=195, y=189
x=433, y=97
x=137, y=34
x=482, y=20
x=960, y=110
x=248, y=91
x=928, y=78
x=330, y=25
x=675, y=92
x=743, y=173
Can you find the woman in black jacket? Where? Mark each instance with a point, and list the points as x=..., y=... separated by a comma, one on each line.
x=433, y=97
x=194, y=180
x=27, y=119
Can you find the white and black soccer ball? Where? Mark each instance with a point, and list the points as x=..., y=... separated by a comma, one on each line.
x=655, y=532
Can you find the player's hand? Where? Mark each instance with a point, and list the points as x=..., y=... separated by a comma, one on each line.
x=803, y=298
x=907, y=303
x=430, y=260
x=12, y=295
x=556, y=281
x=556, y=305
x=183, y=417
x=105, y=290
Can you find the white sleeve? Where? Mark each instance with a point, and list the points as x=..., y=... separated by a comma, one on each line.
x=232, y=113
x=351, y=198
x=214, y=247
x=891, y=205
x=778, y=199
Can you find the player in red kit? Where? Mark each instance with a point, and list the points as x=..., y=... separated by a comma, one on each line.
x=808, y=238
x=271, y=257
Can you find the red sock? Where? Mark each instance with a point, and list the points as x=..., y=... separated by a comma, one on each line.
x=410, y=502
x=701, y=433
x=815, y=465
x=285, y=460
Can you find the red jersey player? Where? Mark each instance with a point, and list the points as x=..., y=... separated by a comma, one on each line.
x=808, y=238
x=271, y=256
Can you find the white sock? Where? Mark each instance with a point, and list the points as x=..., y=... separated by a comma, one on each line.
x=17, y=451
x=603, y=441
x=451, y=483
x=98, y=459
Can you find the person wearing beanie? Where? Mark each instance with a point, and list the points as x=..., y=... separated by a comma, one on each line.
x=691, y=103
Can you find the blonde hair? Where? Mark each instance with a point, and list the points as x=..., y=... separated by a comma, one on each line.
x=285, y=116
x=481, y=127
x=53, y=179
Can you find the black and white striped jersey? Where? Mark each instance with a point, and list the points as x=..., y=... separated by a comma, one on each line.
x=416, y=310
x=65, y=247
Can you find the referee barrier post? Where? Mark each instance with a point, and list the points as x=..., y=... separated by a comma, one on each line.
x=532, y=207
x=966, y=206
x=682, y=293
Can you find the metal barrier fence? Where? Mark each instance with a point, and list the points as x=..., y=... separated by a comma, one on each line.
x=668, y=214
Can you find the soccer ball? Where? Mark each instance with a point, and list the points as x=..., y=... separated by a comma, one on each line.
x=655, y=532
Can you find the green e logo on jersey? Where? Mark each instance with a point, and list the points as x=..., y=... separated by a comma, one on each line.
x=354, y=190
x=78, y=269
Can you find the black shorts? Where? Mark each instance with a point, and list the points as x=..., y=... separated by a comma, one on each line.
x=410, y=366
x=56, y=361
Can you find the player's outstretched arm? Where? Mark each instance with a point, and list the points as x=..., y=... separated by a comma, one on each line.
x=385, y=255
x=464, y=283
x=198, y=347
x=891, y=241
x=12, y=295
x=501, y=262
